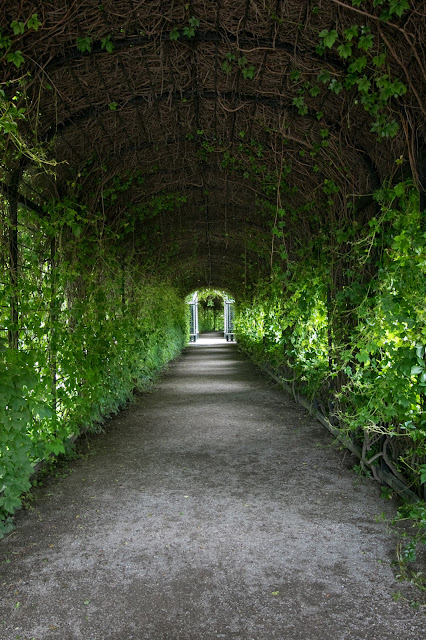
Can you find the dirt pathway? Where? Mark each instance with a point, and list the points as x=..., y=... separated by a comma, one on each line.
x=213, y=507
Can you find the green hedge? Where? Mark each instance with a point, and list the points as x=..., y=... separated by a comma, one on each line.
x=356, y=344
x=92, y=327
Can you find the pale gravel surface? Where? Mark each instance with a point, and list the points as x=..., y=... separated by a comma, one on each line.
x=213, y=507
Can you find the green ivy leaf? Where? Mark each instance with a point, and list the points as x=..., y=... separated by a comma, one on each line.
x=107, y=44
x=399, y=189
x=33, y=22
x=84, y=44
x=366, y=41
x=6, y=526
x=189, y=32
x=379, y=60
x=194, y=22
x=364, y=84
x=385, y=15
x=330, y=187
x=398, y=7
x=16, y=57
x=57, y=448
x=174, y=34
x=5, y=41
x=324, y=76
x=363, y=356
x=335, y=86
x=8, y=127
x=345, y=50
x=390, y=129
x=248, y=72
x=329, y=37
x=299, y=102
x=17, y=27
x=10, y=503
x=351, y=33
x=399, y=88
x=358, y=64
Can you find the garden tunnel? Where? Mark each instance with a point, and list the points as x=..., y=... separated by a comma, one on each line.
x=274, y=149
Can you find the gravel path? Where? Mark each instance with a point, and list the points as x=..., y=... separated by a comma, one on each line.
x=212, y=507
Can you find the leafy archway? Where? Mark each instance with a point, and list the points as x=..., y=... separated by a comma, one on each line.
x=274, y=148
x=211, y=310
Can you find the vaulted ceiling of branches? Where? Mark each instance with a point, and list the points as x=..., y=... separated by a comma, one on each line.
x=214, y=103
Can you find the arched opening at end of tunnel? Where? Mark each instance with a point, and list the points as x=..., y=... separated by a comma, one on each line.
x=211, y=316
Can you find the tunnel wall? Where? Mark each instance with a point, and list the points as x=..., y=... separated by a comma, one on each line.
x=82, y=327
x=344, y=330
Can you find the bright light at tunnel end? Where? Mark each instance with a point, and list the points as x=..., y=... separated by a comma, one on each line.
x=216, y=325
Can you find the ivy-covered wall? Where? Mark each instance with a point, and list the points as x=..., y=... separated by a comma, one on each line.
x=82, y=327
x=346, y=326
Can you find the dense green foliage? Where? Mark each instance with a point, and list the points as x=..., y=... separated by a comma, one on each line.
x=92, y=327
x=358, y=349
x=361, y=347
x=210, y=310
x=288, y=328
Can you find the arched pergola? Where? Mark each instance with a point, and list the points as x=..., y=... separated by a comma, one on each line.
x=235, y=109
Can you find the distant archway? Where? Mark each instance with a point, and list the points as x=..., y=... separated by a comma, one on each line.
x=211, y=310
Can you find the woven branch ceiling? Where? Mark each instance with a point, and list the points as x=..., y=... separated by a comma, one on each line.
x=174, y=109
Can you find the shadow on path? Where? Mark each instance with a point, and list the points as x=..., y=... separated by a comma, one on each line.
x=213, y=507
